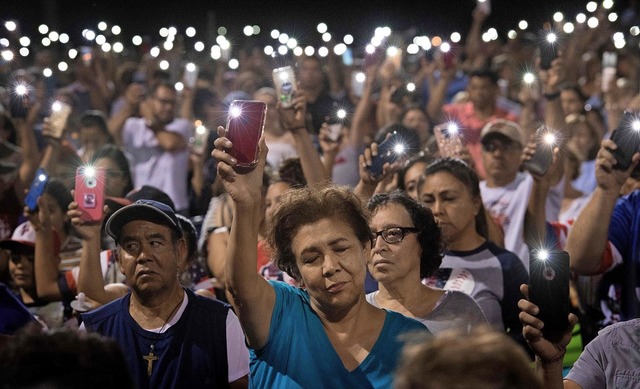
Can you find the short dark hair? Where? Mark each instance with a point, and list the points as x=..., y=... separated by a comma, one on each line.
x=161, y=84
x=468, y=177
x=63, y=359
x=429, y=233
x=485, y=73
x=113, y=153
x=62, y=196
x=95, y=118
x=303, y=206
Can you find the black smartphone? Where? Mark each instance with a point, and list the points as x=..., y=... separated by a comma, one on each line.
x=543, y=156
x=549, y=290
x=244, y=129
x=36, y=190
x=627, y=137
x=547, y=49
x=390, y=150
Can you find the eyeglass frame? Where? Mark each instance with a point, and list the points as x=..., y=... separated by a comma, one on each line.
x=383, y=232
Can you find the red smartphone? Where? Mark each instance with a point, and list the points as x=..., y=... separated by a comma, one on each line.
x=89, y=193
x=245, y=125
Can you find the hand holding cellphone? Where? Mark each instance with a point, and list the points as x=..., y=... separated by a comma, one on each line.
x=58, y=119
x=547, y=49
x=627, y=138
x=541, y=159
x=389, y=151
x=284, y=80
x=244, y=129
x=200, y=139
x=89, y=193
x=549, y=290
x=36, y=190
x=448, y=139
x=190, y=76
x=609, y=69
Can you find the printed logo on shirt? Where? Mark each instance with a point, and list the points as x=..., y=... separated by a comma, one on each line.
x=452, y=279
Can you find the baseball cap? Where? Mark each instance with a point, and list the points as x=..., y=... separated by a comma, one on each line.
x=148, y=192
x=147, y=210
x=507, y=128
x=24, y=239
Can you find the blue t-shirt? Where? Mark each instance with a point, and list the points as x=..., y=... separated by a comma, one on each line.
x=618, y=288
x=191, y=354
x=299, y=354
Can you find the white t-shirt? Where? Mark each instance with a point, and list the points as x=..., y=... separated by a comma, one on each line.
x=151, y=165
x=508, y=206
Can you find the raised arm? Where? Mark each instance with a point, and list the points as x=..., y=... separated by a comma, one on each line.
x=45, y=261
x=90, y=278
x=293, y=120
x=588, y=237
x=133, y=96
x=251, y=295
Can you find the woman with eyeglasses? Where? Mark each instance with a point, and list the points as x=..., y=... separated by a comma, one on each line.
x=471, y=263
x=406, y=248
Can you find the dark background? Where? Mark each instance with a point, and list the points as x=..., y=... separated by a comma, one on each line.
x=297, y=18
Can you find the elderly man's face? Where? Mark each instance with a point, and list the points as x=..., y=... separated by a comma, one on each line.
x=149, y=258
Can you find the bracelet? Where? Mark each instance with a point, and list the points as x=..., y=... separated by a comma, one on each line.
x=550, y=361
x=551, y=96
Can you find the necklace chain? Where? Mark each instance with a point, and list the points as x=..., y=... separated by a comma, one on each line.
x=151, y=357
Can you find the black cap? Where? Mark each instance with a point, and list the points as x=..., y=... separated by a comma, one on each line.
x=148, y=210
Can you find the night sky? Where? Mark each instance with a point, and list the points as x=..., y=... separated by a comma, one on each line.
x=297, y=18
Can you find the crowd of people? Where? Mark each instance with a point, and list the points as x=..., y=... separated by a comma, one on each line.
x=312, y=268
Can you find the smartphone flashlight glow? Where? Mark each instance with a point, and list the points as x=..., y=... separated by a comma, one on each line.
x=235, y=111
x=635, y=125
x=42, y=177
x=360, y=77
x=551, y=37
x=21, y=89
x=452, y=129
x=529, y=78
x=549, y=139
x=56, y=106
x=191, y=67
x=398, y=148
x=89, y=171
x=542, y=255
x=392, y=51
x=201, y=130
x=341, y=114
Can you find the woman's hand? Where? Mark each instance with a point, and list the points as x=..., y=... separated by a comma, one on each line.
x=243, y=188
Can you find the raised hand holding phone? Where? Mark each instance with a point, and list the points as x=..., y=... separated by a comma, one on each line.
x=549, y=290
x=389, y=151
x=36, y=190
x=449, y=139
x=541, y=160
x=245, y=126
x=284, y=80
x=57, y=122
x=627, y=139
x=89, y=193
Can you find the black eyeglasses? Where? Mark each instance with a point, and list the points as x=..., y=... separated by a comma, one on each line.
x=491, y=146
x=393, y=234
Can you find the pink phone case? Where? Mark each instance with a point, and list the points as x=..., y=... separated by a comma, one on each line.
x=89, y=194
